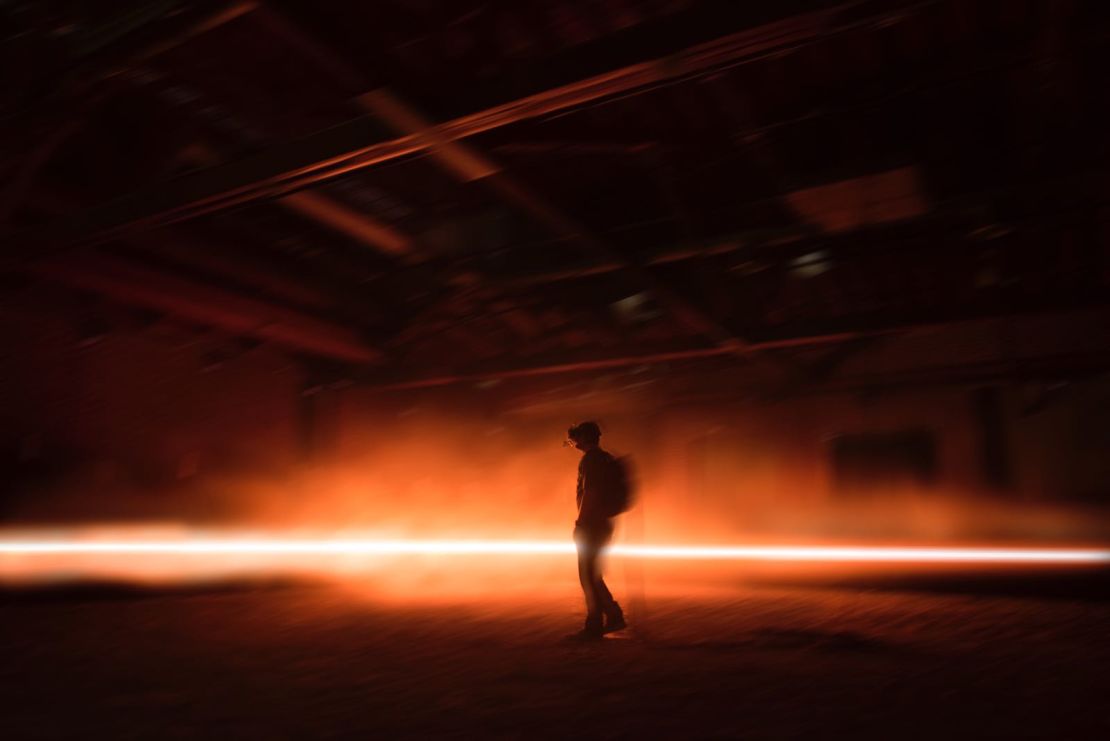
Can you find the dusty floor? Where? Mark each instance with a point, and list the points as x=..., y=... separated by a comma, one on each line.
x=320, y=661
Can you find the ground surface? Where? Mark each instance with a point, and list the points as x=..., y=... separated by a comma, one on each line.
x=318, y=661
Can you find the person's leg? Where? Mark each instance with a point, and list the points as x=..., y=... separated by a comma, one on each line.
x=614, y=616
x=589, y=577
x=604, y=596
x=606, y=605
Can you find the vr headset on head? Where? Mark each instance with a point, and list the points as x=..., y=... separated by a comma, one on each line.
x=582, y=432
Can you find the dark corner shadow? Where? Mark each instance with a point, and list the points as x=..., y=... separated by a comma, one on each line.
x=14, y=595
x=1087, y=585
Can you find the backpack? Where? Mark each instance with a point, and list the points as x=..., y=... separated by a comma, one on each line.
x=617, y=492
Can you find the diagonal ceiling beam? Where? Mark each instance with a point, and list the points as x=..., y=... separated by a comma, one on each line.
x=136, y=285
x=327, y=211
x=66, y=122
x=216, y=259
x=468, y=164
x=595, y=362
x=396, y=381
x=353, y=145
x=342, y=218
x=220, y=16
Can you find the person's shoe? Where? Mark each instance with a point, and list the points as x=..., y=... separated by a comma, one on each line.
x=615, y=621
x=591, y=631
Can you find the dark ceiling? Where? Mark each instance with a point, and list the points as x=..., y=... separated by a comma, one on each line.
x=421, y=189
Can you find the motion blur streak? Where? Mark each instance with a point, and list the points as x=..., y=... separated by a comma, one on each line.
x=274, y=546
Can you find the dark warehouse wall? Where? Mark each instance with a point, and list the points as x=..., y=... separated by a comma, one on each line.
x=130, y=404
x=920, y=462
x=128, y=416
x=923, y=462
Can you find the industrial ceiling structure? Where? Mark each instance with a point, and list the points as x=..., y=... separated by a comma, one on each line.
x=414, y=192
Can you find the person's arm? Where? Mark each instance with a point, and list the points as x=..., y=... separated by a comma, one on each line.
x=592, y=475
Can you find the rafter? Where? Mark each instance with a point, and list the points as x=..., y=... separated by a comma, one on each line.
x=345, y=148
x=468, y=164
x=137, y=285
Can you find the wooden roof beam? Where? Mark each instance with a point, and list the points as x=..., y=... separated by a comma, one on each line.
x=352, y=146
x=136, y=285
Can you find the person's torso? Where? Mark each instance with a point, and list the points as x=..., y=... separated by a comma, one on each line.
x=591, y=470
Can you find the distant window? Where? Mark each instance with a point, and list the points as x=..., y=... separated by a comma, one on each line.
x=874, y=460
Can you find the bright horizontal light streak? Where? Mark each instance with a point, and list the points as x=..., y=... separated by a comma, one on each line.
x=870, y=553
x=365, y=547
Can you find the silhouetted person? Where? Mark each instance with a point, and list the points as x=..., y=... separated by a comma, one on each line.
x=599, y=474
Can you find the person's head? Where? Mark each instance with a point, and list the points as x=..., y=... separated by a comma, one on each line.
x=584, y=435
